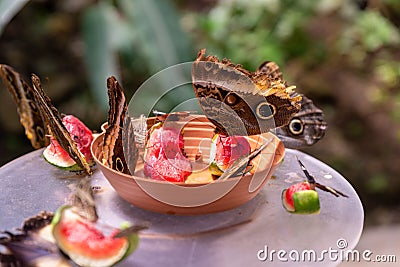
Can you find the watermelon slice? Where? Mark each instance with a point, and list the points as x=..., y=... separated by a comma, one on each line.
x=301, y=198
x=85, y=244
x=225, y=150
x=83, y=137
x=164, y=158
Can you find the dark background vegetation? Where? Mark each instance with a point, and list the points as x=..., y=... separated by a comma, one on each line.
x=345, y=55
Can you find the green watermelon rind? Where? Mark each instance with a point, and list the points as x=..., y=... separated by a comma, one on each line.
x=214, y=169
x=69, y=165
x=133, y=242
x=58, y=162
x=305, y=202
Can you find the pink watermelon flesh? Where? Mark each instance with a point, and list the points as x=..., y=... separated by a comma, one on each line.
x=164, y=159
x=229, y=149
x=85, y=244
x=293, y=189
x=79, y=133
x=85, y=237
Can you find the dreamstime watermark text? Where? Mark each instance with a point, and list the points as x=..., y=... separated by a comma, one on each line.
x=339, y=253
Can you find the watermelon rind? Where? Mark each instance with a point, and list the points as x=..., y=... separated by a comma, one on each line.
x=285, y=203
x=214, y=169
x=60, y=162
x=65, y=215
x=306, y=202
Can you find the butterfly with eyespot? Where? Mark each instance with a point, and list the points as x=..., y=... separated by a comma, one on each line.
x=239, y=102
x=38, y=115
x=123, y=136
x=30, y=115
x=307, y=126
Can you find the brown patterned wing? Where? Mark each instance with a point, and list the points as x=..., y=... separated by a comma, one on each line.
x=113, y=150
x=238, y=101
x=307, y=126
x=56, y=128
x=271, y=69
x=28, y=110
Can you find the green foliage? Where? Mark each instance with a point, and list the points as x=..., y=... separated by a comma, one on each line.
x=368, y=32
x=378, y=183
x=145, y=33
x=252, y=33
x=280, y=31
x=98, y=34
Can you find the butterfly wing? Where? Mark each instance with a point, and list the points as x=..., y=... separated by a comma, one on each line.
x=243, y=161
x=57, y=129
x=28, y=110
x=113, y=150
x=234, y=98
x=307, y=126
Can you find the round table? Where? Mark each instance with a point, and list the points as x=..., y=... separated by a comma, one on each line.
x=257, y=233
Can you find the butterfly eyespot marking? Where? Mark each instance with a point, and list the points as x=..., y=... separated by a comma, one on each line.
x=231, y=99
x=119, y=165
x=265, y=111
x=40, y=132
x=296, y=126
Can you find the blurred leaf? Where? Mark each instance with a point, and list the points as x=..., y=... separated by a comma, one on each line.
x=159, y=35
x=375, y=30
x=368, y=32
x=388, y=71
x=8, y=9
x=98, y=30
x=160, y=43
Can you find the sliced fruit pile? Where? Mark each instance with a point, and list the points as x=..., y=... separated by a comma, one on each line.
x=83, y=138
x=85, y=244
x=225, y=150
x=164, y=158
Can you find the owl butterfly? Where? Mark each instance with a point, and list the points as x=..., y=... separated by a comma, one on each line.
x=30, y=115
x=120, y=132
x=239, y=102
x=307, y=126
x=38, y=115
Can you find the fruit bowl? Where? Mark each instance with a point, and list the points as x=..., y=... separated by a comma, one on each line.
x=199, y=194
